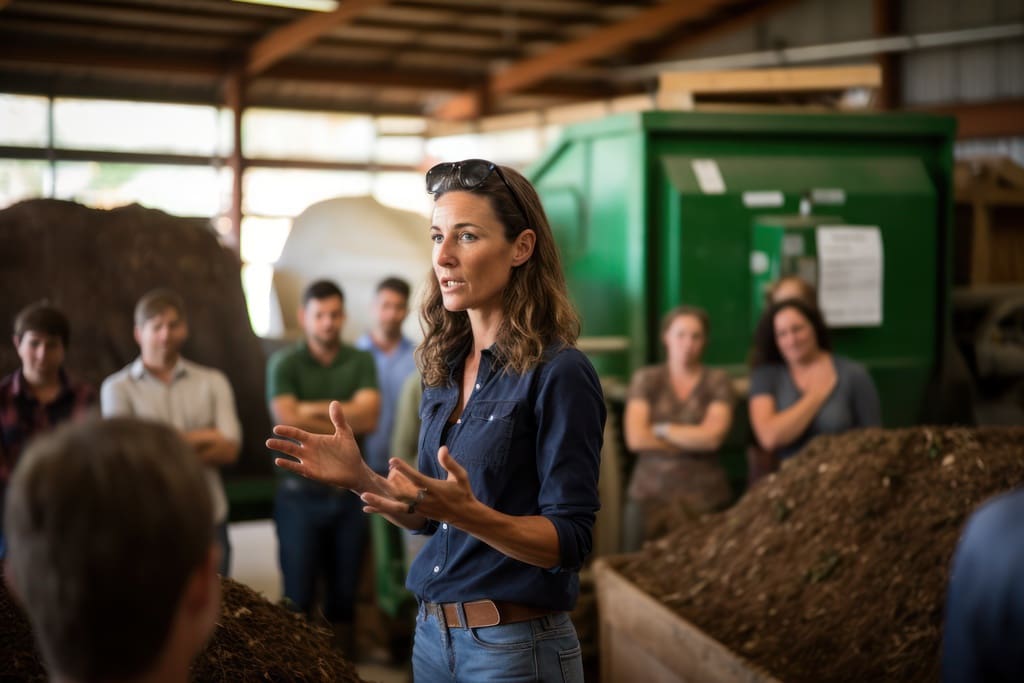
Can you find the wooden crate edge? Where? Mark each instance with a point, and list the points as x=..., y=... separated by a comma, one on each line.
x=673, y=641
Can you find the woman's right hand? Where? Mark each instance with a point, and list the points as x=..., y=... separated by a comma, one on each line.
x=822, y=379
x=329, y=458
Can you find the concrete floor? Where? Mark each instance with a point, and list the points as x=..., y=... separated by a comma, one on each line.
x=254, y=563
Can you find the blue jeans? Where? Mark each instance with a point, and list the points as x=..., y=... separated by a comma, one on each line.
x=321, y=533
x=545, y=649
x=983, y=639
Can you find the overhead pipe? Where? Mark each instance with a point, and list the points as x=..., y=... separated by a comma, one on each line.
x=789, y=56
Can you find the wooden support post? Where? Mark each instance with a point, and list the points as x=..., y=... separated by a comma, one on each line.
x=981, y=239
x=234, y=99
x=886, y=19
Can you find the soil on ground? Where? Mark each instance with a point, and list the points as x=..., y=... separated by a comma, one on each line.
x=835, y=568
x=255, y=640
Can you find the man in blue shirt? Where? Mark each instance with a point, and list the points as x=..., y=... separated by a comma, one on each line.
x=393, y=355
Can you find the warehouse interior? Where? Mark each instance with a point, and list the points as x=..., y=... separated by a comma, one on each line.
x=685, y=152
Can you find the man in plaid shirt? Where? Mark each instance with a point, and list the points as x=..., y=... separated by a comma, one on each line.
x=39, y=395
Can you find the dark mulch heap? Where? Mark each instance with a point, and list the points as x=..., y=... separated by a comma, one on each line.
x=259, y=640
x=19, y=660
x=836, y=568
x=254, y=641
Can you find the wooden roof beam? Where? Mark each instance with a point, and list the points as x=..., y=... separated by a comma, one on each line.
x=93, y=58
x=216, y=67
x=600, y=43
x=278, y=44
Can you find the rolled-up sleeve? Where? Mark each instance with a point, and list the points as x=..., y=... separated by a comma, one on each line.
x=570, y=413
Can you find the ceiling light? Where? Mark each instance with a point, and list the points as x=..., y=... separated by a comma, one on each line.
x=313, y=5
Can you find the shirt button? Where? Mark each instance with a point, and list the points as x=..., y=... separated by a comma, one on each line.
x=459, y=421
x=436, y=569
x=445, y=526
x=477, y=386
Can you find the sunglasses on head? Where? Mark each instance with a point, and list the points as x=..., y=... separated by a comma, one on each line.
x=469, y=175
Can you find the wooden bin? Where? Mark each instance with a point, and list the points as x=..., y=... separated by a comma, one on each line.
x=643, y=640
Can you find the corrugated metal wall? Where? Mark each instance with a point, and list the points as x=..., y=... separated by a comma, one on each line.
x=938, y=76
x=972, y=73
x=812, y=22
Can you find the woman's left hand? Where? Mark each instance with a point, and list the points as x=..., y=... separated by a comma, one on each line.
x=442, y=499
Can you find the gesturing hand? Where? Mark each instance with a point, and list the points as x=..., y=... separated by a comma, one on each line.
x=445, y=499
x=329, y=458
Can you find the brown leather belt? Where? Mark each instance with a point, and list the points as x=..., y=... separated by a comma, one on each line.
x=483, y=613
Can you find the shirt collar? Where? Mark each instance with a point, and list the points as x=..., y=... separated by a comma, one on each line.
x=490, y=355
x=365, y=343
x=304, y=344
x=138, y=369
x=20, y=384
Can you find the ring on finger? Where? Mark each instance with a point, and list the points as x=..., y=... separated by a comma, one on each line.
x=420, y=495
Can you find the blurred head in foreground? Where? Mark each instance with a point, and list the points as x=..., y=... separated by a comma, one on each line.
x=111, y=551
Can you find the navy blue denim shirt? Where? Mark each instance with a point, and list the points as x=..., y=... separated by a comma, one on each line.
x=531, y=445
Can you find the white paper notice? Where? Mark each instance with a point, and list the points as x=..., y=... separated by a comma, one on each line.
x=850, y=275
x=709, y=176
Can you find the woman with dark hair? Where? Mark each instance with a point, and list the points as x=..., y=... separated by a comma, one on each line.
x=509, y=447
x=799, y=388
x=677, y=415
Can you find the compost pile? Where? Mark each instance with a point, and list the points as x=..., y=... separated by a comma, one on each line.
x=19, y=659
x=836, y=567
x=254, y=640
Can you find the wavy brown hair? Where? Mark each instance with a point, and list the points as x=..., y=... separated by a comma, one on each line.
x=766, y=348
x=538, y=312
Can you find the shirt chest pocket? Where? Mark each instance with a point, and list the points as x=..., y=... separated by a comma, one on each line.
x=485, y=433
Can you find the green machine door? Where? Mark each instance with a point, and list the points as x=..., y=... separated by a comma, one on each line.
x=590, y=194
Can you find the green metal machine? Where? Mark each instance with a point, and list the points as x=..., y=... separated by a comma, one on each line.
x=659, y=208
x=783, y=246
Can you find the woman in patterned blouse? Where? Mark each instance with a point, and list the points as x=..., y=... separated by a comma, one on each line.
x=677, y=415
